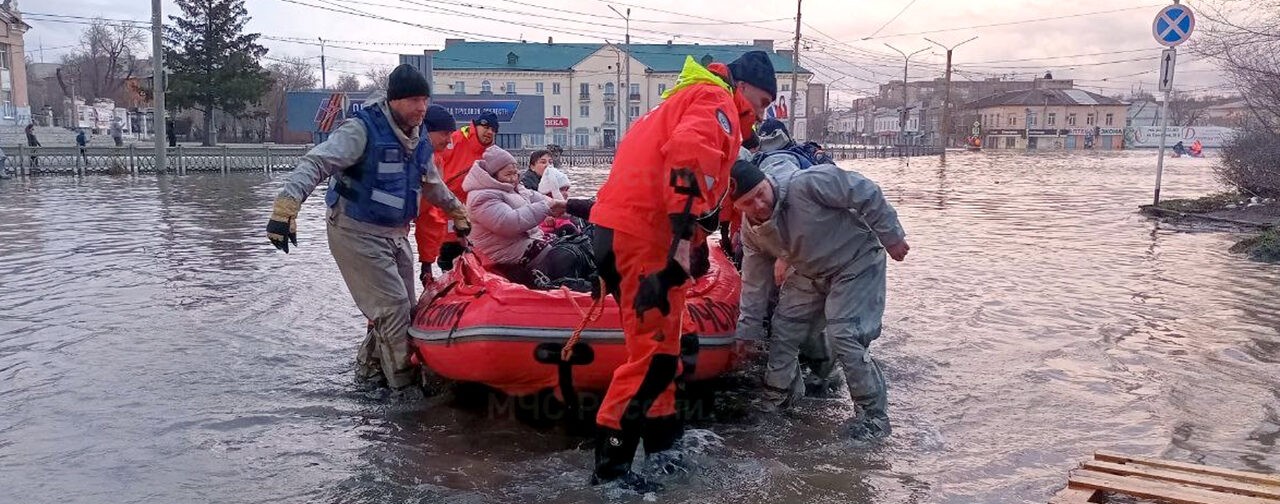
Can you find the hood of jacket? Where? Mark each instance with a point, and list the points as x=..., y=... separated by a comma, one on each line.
x=479, y=179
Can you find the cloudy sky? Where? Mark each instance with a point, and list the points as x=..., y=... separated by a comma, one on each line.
x=1106, y=45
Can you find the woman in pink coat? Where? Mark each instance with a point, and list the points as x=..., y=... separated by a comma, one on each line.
x=505, y=217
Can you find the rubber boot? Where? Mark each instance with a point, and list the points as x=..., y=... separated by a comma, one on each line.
x=615, y=450
x=660, y=435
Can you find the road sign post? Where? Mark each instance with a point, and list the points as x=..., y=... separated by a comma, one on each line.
x=1172, y=26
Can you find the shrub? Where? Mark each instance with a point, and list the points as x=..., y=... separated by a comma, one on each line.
x=1251, y=163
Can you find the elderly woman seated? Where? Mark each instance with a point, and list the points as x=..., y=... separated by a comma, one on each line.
x=505, y=217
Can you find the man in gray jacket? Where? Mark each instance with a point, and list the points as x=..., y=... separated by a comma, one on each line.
x=380, y=162
x=834, y=227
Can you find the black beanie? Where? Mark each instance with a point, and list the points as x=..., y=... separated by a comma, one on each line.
x=754, y=68
x=746, y=176
x=406, y=82
x=439, y=119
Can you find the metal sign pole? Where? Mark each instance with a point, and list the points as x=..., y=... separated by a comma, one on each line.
x=1164, y=126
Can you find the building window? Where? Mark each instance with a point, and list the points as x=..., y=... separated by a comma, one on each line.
x=1053, y=119
x=4, y=56
x=485, y=87
x=555, y=88
x=1110, y=118
x=1071, y=119
x=581, y=138
x=584, y=111
x=560, y=136
x=786, y=87
x=555, y=111
x=1031, y=120
x=1013, y=120
x=511, y=87
x=634, y=112
x=1010, y=142
x=662, y=88
x=608, y=114
x=635, y=92
x=584, y=90
x=1088, y=120
x=608, y=89
x=459, y=87
x=537, y=88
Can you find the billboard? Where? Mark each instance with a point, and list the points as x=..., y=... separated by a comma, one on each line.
x=1149, y=136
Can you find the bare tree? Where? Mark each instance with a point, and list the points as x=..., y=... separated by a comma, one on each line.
x=105, y=58
x=347, y=82
x=289, y=74
x=377, y=77
x=1243, y=36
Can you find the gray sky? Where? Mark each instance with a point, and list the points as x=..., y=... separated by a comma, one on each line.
x=1105, y=44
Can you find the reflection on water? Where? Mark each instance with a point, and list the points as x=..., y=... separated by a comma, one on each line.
x=155, y=348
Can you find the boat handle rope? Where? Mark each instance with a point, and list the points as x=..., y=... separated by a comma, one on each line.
x=591, y=315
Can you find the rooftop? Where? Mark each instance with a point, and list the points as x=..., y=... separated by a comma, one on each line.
x=1044, y=97
x=553, y=57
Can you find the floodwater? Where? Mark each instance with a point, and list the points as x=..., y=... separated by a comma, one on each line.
x=154, y=348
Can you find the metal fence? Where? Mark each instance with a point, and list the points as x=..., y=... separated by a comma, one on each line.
x=132, y=160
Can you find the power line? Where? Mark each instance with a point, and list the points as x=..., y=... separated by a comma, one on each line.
x=1012, y=23
x=891, y=20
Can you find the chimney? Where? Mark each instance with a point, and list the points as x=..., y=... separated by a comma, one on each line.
x=765, y=45
x=668, y=42
x=550, y=41
x=449, y=42
x=785, y=53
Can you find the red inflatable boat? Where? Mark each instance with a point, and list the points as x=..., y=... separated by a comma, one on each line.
x=481, y=328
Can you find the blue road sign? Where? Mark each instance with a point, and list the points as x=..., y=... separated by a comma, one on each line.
x=1173, y=25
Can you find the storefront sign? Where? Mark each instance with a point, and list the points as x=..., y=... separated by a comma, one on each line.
x=556, y=122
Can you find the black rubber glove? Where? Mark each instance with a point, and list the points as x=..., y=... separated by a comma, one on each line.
x=710, y=221
x=580, y=208
x=726, y=241
x=448, y=252
x=655, y=289
x=700, y=260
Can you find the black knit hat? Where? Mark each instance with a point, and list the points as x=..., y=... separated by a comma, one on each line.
x=406, y=82
x=754, y=68
x=489, y=119
x=439, y=119
x=746, y=176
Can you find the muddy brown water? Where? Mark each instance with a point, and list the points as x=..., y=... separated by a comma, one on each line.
x=155, y=349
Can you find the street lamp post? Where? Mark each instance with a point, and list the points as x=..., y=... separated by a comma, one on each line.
x=826, y=135
x=945, y=125
x=626, y=105
x=902, y=118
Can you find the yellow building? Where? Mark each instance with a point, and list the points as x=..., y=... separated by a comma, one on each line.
x=1049, y=119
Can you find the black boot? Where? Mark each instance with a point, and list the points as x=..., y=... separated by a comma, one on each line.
x=614, y=451
x=660, y=435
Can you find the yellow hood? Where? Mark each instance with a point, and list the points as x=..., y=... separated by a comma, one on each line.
x=693, y=73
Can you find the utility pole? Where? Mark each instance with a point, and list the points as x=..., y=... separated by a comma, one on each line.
x=626, y=108
x=795, y=75
x=323, y=83
x=902, y=118
x=157, y=86
x=945, y=125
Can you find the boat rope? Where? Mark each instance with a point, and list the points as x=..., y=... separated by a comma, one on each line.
x=591, y=315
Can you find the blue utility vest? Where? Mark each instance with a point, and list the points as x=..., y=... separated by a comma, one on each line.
x=383, y=188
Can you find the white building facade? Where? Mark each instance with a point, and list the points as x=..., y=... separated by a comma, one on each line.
x=587, y=101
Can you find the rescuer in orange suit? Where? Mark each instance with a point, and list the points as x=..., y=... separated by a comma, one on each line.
x=431, y=228
x=670, y=177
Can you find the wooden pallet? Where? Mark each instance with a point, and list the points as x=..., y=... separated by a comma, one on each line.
x=1165, y=481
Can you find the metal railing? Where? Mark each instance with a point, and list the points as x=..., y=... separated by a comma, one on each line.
x=132, y=160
